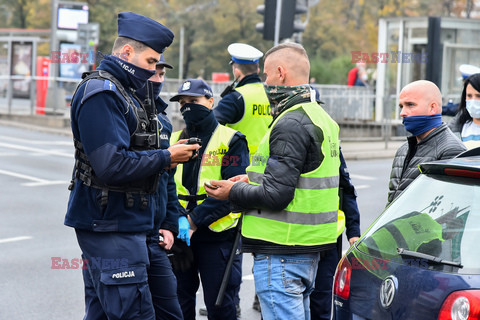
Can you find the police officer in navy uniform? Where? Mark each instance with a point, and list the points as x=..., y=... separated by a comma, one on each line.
x=161, y=280
x=113, y=197
x=224, y=153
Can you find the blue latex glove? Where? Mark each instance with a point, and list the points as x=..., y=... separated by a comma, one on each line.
x=183, y=227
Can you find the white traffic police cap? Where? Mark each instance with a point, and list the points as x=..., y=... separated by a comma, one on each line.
x=243, y=53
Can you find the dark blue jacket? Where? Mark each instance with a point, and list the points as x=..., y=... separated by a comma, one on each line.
x=103, y=122
x=232, y=106
x=166, y=215
x=212, y=209
x=349, y=201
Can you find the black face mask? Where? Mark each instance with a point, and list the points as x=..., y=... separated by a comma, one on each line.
x=138, y=76
x=156, y=86
x=194, y=113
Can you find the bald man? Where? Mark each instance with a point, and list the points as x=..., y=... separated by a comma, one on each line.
x=290, y=197
x=421, y=110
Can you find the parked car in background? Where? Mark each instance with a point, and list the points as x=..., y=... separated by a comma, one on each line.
x=421, y=258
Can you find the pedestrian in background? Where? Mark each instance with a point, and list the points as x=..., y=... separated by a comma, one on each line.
x=290, y=197
x=117, y=164
x=466, y=123
x=224, y=154
x=421, y=110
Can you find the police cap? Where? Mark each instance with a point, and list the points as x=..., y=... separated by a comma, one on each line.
x=145, y=30
x=243, y=53
x=162, y=62
x=195, y=88
x=467, y=70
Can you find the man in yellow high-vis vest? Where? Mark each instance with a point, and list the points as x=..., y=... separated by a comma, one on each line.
x=244, y=105
x=224, y=154
x=291, y=198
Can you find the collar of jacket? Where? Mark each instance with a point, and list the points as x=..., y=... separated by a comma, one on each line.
x=204, y=127
x=437, y=130
x=250, y=78
x=115, y=70
x=161, y=105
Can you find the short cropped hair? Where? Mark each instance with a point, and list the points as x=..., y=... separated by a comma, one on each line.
x=298, y=48
x=136, y=45
x=247, y=68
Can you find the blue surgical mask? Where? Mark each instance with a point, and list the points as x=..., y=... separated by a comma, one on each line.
x=138, y=76
x=473, y=108
x=417, y=125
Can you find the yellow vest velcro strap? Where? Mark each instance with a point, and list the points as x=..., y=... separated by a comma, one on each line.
x=192, y=197
x=296, y=217
x=303, y=182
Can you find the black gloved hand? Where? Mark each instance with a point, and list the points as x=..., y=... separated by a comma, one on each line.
x=181, y=256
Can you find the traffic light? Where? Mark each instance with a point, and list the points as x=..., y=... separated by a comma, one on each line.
x=288, y=25
x=88, y=35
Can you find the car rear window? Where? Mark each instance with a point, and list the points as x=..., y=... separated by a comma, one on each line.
x=436, y=215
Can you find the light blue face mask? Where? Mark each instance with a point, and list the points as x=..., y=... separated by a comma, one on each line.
x=473, y=108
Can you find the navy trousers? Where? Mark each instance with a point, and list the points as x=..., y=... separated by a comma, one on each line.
x=321, y=297
x=210, y=260
x=116, y=285
x=162, y=283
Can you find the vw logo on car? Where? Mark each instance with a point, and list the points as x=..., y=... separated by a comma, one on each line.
x=387, y=291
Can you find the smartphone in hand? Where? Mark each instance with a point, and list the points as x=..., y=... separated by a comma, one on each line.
x=211, y=186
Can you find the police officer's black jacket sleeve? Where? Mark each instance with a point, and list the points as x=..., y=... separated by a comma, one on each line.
x=104, y=128
x=294, y=148
x=230, y=109
x=349, y=201
x=234, y=163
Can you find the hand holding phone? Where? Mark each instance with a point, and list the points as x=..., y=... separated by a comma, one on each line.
x=211, y=186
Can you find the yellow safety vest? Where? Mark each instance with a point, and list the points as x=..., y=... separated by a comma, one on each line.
x=210, y=169
x=256, y=117
x=312, y=217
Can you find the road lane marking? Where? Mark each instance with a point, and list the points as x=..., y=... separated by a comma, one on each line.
x=362, y=186
x=15, y=239
x=38, y=142
x=248, y=277
x=37, y=150
x=35, y=181
x=361, y=177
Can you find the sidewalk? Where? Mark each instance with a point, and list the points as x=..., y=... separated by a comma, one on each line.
x=352, y=149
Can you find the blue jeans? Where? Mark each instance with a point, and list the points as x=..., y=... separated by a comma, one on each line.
x=283, y=283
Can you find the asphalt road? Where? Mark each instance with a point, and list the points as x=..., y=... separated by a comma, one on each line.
x=35, y=169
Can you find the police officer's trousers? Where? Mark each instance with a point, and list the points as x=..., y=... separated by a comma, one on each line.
x=116, y=285
x=162, y=283
x=210, y=260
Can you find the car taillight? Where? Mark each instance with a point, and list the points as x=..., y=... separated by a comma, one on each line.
x=461, y=305
x=342, y=279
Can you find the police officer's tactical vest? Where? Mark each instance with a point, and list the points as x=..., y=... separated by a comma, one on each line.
x=256, y=117
x=311, y=218
x=210, y=169
x=142, y=139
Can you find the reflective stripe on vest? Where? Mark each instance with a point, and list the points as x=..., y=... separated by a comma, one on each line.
x=210, y=169
x=256, y=117
x=312, y=217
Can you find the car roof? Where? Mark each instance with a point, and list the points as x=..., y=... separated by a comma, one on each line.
x=466, y=164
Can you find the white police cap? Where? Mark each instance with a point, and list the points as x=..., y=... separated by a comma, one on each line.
x=243, y=53
x=467, y=70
